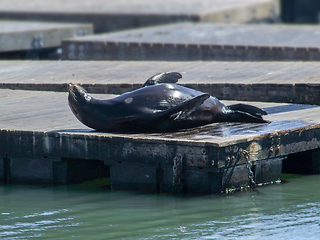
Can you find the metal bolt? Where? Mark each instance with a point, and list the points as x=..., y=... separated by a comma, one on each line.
x=72, y=47
x=271, y=150
x=228, y=159
x=205, y=159
x=81, y=55
x=81, y=48
x=71, y=55
x=203, y=151
x=235, y=149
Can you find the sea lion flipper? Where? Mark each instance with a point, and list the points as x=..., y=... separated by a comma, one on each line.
x=238, y=116
x=164, y=77
x=255, y=111
x=184, y=109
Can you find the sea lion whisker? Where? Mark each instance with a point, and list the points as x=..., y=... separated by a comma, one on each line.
x=73, y=93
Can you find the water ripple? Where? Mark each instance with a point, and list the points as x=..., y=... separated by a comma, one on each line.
x=301, y=222
x=33, y=225
x=290, y=210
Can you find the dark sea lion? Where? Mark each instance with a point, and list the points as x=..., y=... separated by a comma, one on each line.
x=160, y=105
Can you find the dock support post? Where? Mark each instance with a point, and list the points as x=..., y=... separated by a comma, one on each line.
x=139, y=176
x=162, y=178
x=316, y=161
x=30, y=170
x=265, y=171
x=5, y=170
x=43, y=170
x=268, y=170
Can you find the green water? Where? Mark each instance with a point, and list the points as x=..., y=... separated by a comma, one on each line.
x=282, y=211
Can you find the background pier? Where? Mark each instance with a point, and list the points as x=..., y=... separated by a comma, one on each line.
x=37, y=40
x=113, y=16
x=200, y=41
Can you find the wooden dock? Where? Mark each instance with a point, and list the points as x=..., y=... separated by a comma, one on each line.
x=201, y=41
x=41, y=140
x=20, y=39
x=111, y=16
x=289, y=82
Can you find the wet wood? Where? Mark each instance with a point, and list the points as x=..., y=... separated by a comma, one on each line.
x=201, y=41
x=22, y=35
x=114, y=15
x=291, y=82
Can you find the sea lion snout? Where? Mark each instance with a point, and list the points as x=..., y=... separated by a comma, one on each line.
x=77, y=93
x=71, y=90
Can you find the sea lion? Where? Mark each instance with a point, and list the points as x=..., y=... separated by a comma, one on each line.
x=160, y=105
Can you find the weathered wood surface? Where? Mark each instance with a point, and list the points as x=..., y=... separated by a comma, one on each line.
x=22, y=35
x=114, y=15
x=292, y=82
x=200, y=41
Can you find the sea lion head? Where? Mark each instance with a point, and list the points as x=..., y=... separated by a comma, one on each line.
x=77, y=93
x=77, y=98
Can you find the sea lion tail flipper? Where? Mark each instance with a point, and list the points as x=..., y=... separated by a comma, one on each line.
x=184, y=109
x=164, y=77
x=255, y=111
x=239, y=116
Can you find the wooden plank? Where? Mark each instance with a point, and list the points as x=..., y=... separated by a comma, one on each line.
x=292, y=82
x=201, y=41
x=22, y=35
x=137, y=72
x=115, y=15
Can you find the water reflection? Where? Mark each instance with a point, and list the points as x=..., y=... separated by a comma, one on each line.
x=277, y=212
x=223, y=130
